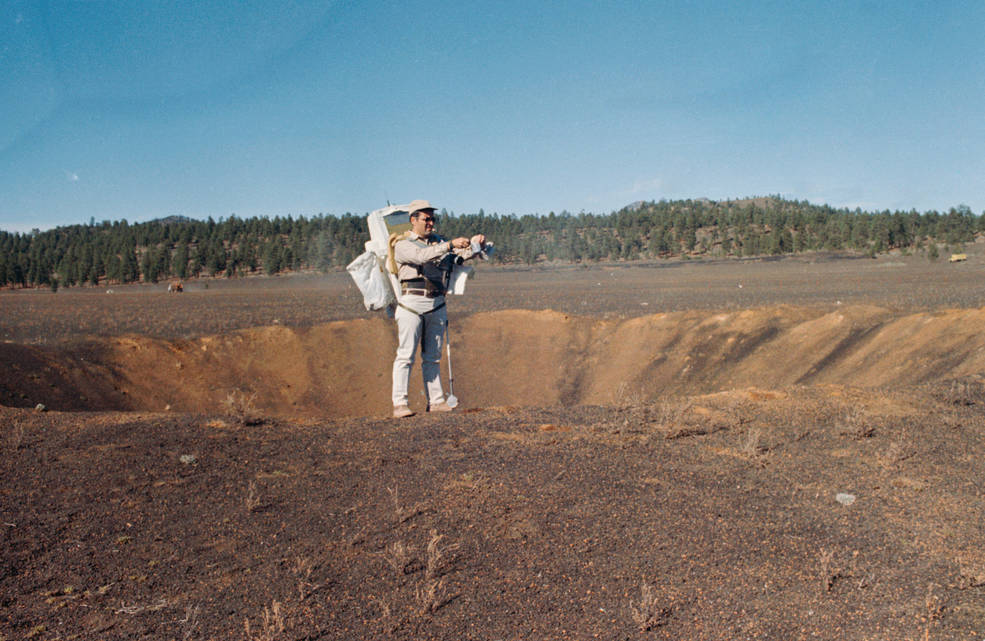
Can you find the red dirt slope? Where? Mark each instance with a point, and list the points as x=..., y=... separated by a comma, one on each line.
x=520, y=358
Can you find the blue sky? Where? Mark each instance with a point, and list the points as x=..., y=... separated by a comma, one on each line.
x=139, y=110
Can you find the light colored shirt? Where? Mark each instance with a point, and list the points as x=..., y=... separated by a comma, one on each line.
x=409, y=254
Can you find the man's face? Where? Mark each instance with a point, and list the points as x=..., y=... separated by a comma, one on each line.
x=422, y=223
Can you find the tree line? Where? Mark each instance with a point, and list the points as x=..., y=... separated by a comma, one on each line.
x=183, y=248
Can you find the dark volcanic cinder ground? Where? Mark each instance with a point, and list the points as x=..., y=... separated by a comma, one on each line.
x=711, y=517
x=686, y=508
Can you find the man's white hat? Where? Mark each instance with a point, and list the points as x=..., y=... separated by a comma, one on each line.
x=419, y=205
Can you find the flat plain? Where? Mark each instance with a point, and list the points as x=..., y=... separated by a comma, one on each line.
x=905, y=283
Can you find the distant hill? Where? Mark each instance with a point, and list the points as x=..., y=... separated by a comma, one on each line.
x=174, y=219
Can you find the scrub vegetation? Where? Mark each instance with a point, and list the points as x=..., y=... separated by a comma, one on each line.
x=110, y=253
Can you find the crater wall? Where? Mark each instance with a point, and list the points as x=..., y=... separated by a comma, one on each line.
x=504, y=358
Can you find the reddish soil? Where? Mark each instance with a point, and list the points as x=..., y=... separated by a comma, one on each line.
x=795, y=461
x=520, y=358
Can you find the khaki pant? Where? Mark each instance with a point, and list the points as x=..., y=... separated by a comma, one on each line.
x=428, y=331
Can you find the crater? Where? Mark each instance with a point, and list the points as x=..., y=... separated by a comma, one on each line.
x=501, y=358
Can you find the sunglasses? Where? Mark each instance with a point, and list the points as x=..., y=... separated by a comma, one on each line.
x=428, y=219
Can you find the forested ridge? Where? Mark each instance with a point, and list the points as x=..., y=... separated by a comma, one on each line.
x=177, y=247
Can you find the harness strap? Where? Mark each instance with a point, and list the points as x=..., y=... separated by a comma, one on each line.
x=430, y=311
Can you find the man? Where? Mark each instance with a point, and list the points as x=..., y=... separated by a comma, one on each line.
x=423, y=264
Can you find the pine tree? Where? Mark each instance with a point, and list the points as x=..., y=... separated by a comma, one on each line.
x=272, y=258
x=129, y=269
x=180, y=261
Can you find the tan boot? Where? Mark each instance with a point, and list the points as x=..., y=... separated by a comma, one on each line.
x=402, y=411
x=440, y=407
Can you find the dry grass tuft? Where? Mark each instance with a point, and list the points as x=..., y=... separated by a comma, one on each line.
x=15, y=437
x=242, y=407
x=399, y=557
x=271, y=624
x=679, y=419
x=827, y=577
x=435, y=556
x=388, y=623
x=963, y=392
x=829, y=573
x=429, y=595
x=853, y=423
x=972, y=574
x=137, y=609
x=252, y=499
x=303, y=568
x=895, y=452
x=627, y=395
x=190, y=622
x=671, y=415
x=934, y=612
x=400, y=513
x=752, y=443
x=647, y=614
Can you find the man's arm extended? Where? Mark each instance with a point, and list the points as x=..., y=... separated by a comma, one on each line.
x=409, y=253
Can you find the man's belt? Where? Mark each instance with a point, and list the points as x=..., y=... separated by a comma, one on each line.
x=420, y=287
x=430, y=293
